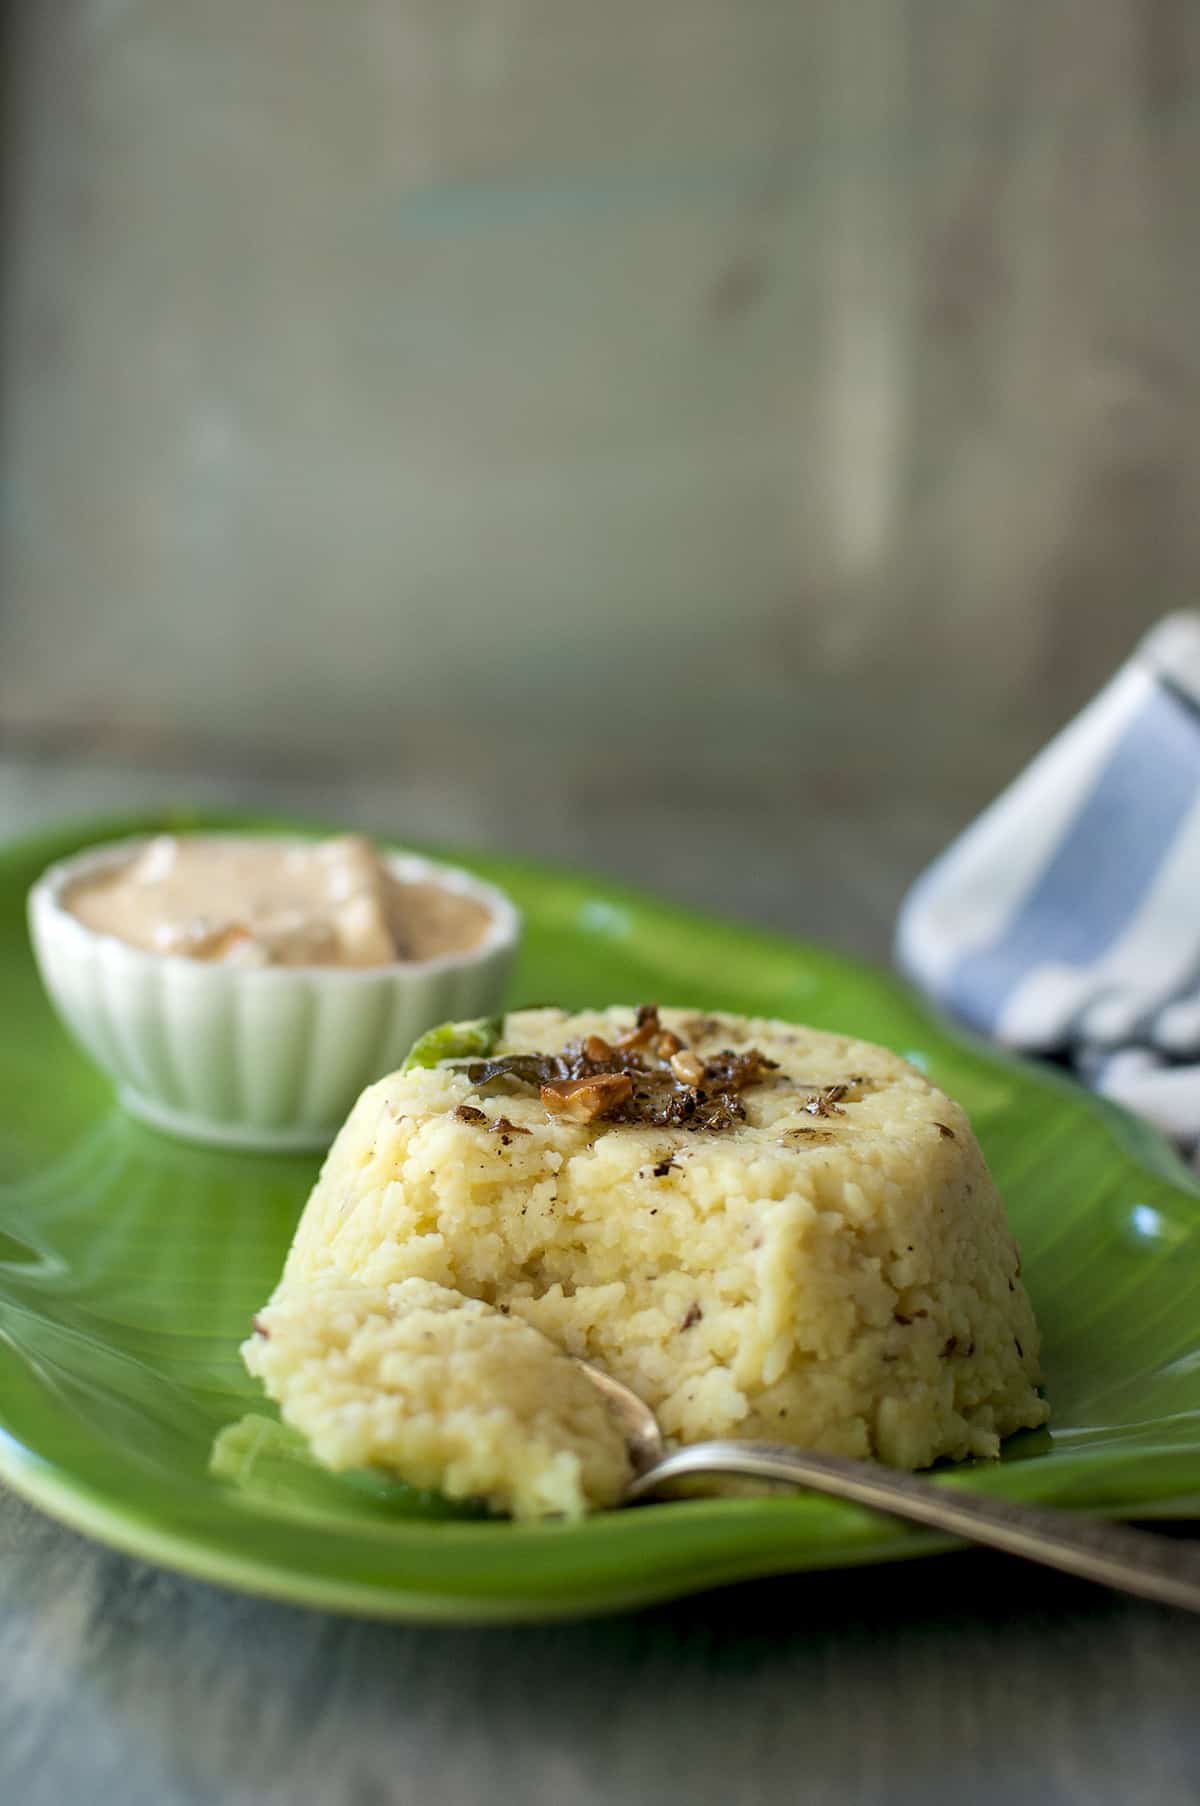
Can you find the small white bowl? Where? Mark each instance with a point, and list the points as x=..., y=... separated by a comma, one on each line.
x=254, y=1057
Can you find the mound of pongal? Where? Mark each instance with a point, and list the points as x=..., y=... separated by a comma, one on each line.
x=763, y=1229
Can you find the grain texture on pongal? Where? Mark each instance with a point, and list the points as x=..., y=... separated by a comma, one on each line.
x=441, y=1390
x=835, y=1270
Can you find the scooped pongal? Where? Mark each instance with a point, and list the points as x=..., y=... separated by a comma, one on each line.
x=765, y=1230
x=441, y=1389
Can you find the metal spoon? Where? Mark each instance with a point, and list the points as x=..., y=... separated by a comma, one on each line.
x=1134, y=1561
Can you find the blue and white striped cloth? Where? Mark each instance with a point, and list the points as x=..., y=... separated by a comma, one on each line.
x=1066, y=920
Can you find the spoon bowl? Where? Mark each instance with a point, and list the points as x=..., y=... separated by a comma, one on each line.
x=639, y=1426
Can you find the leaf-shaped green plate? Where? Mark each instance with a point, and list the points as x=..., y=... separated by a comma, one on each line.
x=129, y=1265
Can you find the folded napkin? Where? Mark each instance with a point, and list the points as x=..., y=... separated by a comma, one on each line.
x=1066, y=920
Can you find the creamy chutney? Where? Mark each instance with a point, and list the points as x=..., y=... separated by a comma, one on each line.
x=275, y=902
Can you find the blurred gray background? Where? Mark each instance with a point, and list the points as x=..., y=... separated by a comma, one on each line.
x=715, y=441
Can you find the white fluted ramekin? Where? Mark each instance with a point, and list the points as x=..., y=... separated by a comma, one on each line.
x=255, y=1057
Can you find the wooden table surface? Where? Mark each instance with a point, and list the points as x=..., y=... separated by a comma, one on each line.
x=960, y=1679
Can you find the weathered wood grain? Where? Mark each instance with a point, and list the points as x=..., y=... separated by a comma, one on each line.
x=960, y=1679
x=377, y=375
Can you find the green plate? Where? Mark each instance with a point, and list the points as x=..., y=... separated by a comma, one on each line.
x=129, y=1266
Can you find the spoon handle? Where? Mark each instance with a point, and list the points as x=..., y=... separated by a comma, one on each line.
x=1134, y=1561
